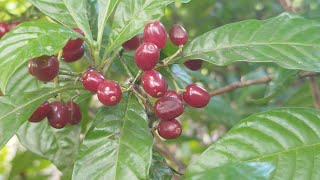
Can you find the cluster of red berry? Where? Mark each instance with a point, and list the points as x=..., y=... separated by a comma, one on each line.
x=46, y=68
x=4, y=27
x=170, y=103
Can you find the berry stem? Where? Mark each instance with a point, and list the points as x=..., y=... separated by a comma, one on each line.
x=169, y=59
x=178, y=89
x=107, y=63
x=135, y=79
x=56, y=79
x=92, y=49
x=69, y=73
x=126, y=67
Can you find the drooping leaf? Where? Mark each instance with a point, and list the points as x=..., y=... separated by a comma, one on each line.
x=290, y=41
x=72, y=13
x=251, y=170
x=29, y=40
x=119, y=144
x=15, y=111
x=60, y=146
x=289, y=138
x=130, y=18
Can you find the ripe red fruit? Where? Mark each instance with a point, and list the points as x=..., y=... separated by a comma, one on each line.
x=91, y=80
x=73, y=45
x=71, y=56
x=12, y=25
x=194, y=64
x=40, y=113
x=109, y=93
x=147, y=56
x=196, y=96
x=167, y=108
x=132, y=44
x=172, y=94
x=154, y=83
x=155, y=33
x=44, y=68
x=58, y=117
x=178, y=35
x=3, y=29
x=74, y=113
x=169, y=129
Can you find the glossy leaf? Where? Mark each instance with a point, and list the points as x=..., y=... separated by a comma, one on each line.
x=288, y=138
x=55, y=9
x=119, y=144
x=29, y=40
x=158, y=170
x=290, y=41
x=60, y=146
x=15, y=111
x=131, y=17
x=105, y=10
x=72, y=13
x=251, y=170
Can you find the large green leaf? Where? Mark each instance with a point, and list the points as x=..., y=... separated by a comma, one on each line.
x=250, y=170
x=15, y=111
x=130, y=18
x=288, y=40
x=119, y=144
x=105, y=10
x=60, y=146
x=55, y=9
x=289, y=138
x=29, y=40
x=72, y=13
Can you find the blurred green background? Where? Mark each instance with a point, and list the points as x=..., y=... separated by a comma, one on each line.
x=202, y=127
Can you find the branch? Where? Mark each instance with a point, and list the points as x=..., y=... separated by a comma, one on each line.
x=263, y=80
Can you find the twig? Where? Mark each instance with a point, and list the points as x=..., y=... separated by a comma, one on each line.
x=162, y=148
x=315, y=91
x=262, y=80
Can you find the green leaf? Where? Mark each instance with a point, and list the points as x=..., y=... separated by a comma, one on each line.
x=289, y=138
x=280, y=81
x=251, y=170
x=55, y=9
x=15, y=111
x=105, y=10
x=130, y=18
x=72, y=13
x=290, y=41
x=29, y=40
x=158, y=170
x=60, y=146
x=119, y=144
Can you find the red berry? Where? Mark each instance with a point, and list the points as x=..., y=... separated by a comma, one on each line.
x=155, y=33
x=91, y=80
x=74, y=113
x=109, y=93
x=71, y=56
x=154, y=83
x=3, y=29
x=172, y=94
x=41, y=112
x=44, y=68
x=73, y=45
x=58, y=117
x=12, y=25
x=147, y=56
x=167, y=108
x=178, y=35
x=132, y=44
x=194, y=64
x=196, y=96
x=169, y=129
